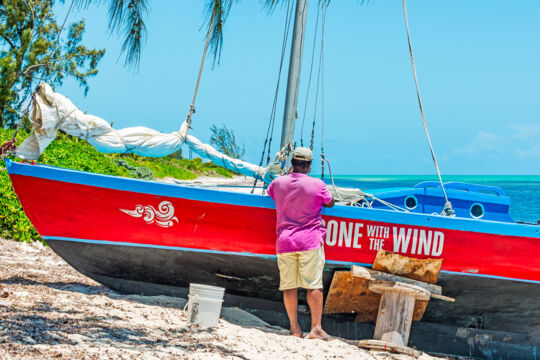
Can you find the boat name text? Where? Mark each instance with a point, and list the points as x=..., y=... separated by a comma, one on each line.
x=405, y=240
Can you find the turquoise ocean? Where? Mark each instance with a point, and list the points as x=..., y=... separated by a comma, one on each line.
x=524, y=191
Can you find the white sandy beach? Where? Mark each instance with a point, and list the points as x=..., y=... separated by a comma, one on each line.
x=49, y=310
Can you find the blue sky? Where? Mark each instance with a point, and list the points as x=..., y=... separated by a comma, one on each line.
x=478, y=65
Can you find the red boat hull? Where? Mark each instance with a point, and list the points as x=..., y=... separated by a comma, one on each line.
x=146, y=237
x=71, y=211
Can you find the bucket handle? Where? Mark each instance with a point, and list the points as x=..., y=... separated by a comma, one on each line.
x=191, y=299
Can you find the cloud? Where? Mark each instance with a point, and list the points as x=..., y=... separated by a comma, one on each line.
x=517, y=141
x=483, y=142
x=532, y=152
x=526, y=132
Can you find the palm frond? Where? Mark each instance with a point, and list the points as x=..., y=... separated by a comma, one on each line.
x=217, y=12
x=83, y=4
x=270, y=5
x=129, y=21
x=126, y=17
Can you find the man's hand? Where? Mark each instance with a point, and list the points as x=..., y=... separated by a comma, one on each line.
x=330, y=204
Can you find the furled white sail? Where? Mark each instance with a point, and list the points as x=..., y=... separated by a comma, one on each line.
x=53, y=111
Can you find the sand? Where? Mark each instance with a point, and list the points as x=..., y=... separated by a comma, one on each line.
x=50, y=311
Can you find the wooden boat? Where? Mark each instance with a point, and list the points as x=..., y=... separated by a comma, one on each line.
x=149, y=237
x=153, y=238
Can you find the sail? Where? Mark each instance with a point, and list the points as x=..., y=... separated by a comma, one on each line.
x=53, y=111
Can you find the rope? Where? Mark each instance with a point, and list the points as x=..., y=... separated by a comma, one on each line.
x=321, y=61
x=9, y=148
x=208, y=36
x=309, y=78
x=362, y=194
x=271, y=121
x=447, y=206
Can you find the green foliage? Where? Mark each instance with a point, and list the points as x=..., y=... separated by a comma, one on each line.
x=177, y=168
x=13, y=221
x=69, y=152
x=30, y=53
x=140, y=172
x=225, y=141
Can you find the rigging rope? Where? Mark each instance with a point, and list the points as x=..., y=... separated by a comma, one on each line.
x=309, y=78
x=447, y=206
x=208, y=36
x=271, y=122
x=321, y=62
x=355, y=199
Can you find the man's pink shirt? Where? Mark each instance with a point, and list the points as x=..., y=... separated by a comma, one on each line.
x=299, y=199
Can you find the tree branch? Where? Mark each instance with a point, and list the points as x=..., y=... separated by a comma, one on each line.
x=6, y=39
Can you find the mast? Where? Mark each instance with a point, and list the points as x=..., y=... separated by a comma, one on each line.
x=293, y=81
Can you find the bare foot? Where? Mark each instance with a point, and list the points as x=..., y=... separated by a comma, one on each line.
x=318, y=333
x=296, y=330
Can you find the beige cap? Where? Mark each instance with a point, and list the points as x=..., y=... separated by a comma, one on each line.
x=302, y=153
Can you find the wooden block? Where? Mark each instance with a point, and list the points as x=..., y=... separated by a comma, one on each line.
x=426, y=270
x=382, y=345
x=369, y=274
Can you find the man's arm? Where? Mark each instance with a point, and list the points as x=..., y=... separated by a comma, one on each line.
x=330, y=204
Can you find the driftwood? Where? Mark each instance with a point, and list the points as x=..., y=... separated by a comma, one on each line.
x=388, y=346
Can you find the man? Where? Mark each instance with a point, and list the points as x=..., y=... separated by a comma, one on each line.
x=300, y=234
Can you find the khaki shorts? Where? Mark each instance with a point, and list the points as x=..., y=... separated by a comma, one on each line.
x=301, y=269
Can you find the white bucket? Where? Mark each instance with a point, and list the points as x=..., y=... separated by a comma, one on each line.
x=204, y=304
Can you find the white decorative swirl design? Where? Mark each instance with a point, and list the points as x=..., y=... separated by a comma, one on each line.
x=163, y=216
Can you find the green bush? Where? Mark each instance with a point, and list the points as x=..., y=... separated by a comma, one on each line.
x=14, y=223
x=140, y=172
x=69, y=152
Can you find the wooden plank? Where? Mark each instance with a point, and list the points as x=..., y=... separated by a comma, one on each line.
x=383, y=345
x=382, y=286
x=425, y=270
x=348, y=294
x=369, y=274
x=442, y=297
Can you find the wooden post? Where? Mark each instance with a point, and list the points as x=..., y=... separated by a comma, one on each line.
x=395, y=315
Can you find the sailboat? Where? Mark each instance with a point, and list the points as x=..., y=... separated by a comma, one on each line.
x=147, y=237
